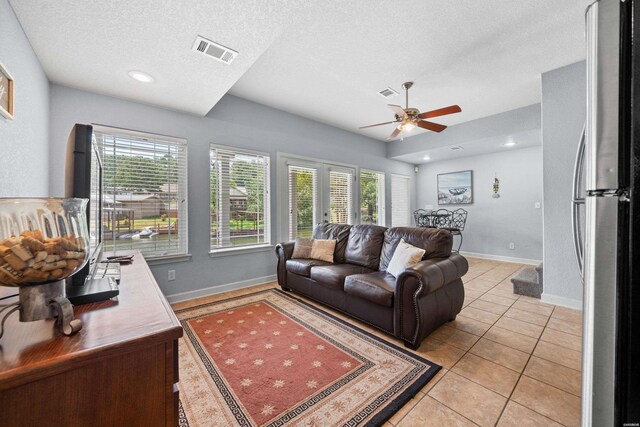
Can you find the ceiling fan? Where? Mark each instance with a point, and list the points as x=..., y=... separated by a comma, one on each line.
x=409, y=118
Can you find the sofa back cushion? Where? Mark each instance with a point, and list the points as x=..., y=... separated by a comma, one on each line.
x=364, y=245
x=337, y=232
x=435, y=241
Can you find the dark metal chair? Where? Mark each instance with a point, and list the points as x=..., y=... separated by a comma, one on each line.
x=441, y=218
x=421, y=217
x=456, y=226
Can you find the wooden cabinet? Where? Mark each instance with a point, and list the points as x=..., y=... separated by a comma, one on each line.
x=121, y=369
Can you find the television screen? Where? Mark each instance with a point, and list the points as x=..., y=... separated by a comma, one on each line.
x=83, y=179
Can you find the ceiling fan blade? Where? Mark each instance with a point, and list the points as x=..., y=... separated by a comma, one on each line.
x=440, y=112
x=377, y=124
x=397, y=109
x=435, y=127
x=395, y=133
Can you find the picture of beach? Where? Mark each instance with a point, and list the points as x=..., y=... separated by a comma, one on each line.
x=455, y=188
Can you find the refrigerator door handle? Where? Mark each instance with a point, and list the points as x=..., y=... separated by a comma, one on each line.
x=577, y=201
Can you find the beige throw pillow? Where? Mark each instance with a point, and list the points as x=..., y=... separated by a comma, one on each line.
x=323, y=249
x=404, y=256
x=314, y=249
x=302, y=248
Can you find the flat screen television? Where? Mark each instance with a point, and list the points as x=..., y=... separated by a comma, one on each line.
x=83, y=179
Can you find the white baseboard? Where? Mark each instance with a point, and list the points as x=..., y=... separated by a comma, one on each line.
x=502, y=258
x=219, y=289
x=561, y=301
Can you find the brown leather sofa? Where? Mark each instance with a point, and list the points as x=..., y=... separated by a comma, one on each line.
x=409, y=307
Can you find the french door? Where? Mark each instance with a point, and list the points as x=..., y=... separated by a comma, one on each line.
x=318, y=192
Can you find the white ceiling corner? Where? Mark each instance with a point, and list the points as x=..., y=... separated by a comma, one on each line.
x=485, y=56
x=92, y=45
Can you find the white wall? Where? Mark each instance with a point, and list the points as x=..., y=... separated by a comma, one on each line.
x=235, y=122
x=493, y=223
x=24, y=165
x=563, y=116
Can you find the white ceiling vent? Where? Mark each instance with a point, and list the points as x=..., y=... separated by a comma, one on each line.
x=214, y=50
x=388, y=93
x=455, y=148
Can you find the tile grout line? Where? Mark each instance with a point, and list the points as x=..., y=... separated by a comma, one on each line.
x=467, y=351
x=520, y=377
x=450, y=370
x=520, y=374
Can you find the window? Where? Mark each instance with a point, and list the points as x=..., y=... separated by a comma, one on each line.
x=239, y=182
x=400, y=201
x=145, y=192
x=372, y=197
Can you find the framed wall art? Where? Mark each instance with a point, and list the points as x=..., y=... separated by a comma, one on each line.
x=455, y=188
x=6, y=93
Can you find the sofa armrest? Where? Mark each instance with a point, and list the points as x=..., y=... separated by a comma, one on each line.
x=284, y=251
x=416, y=311
x=436, y=272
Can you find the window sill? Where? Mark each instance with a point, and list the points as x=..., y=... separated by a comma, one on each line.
x=239, y=251
x=167, y=259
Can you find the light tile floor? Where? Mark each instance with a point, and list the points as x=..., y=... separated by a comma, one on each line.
x=507, y=360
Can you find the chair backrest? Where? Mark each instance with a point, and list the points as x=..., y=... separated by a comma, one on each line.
x=443, y=218
x=459, y=218
x=421, y=219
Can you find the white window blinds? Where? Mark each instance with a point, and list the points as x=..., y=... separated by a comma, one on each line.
x=372, y=197
x=239, y=182
x=340, y=197
x=303, y=201
x=145, y=192
x=400, y=205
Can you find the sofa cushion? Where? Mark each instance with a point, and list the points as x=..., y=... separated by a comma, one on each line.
x=337, y=232
x=377, y=287
x=303, y=266
x=435, y=241
x=364, y=245
x=332, y=276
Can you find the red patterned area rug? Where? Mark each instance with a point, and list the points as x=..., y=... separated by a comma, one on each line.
x=269, y=359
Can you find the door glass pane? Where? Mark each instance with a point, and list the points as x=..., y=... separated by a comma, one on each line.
x=340, y=197
x=303, y=201
x=371, y=197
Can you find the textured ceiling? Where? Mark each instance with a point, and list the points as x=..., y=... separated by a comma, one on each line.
x=92, y=45
x=323, y=60
x=486, y=56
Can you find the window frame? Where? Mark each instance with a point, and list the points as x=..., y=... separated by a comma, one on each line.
x=382, y=220
x=155, y=258
x=267, y=245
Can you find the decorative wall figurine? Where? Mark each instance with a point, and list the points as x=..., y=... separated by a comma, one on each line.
x=496, y=188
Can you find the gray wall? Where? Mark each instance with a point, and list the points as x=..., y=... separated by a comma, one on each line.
x=24, y=144
x=235, y=122
x=563, y=115
x=493, y=223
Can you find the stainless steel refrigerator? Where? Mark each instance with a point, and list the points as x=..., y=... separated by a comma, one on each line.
x=607, y=182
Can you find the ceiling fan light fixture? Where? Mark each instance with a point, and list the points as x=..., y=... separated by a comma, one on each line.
x=406, y=126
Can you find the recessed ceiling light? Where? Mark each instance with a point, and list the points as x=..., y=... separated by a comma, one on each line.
x=510, y=144
x=141, y=76
x=426, y=158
